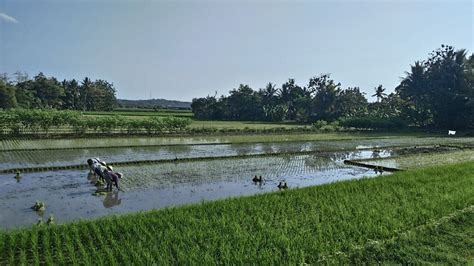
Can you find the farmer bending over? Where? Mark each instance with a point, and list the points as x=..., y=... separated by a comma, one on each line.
x=112, y=178
x=97, y=166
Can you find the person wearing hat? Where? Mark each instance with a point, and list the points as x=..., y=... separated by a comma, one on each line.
x=97, y=166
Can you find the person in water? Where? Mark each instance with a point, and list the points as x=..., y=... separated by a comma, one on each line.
x=112, y=178
x=97, y=167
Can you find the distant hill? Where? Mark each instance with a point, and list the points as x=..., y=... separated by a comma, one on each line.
x=152, y=103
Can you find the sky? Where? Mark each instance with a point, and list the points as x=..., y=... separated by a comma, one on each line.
x=180, y=50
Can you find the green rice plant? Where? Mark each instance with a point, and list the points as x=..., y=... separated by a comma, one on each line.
x=448, y=241
x=46, y=252
x=70, y=249
x=326, y=224
x=39, y=206
x=78, y=244
x=34, y=248
x=74, y=143
x=99, y=183
x=423, y=160
x=50, y=220
x=30, y=160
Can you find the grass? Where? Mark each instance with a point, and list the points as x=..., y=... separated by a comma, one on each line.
x=423, y=160
x=243, y=124
x=177, y=113
x=447, y=241
x=323, y=224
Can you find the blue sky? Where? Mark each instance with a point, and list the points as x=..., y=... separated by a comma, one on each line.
x=186, y=49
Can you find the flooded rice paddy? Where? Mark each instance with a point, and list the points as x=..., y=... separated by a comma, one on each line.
x=68, y=193
x=13, y=159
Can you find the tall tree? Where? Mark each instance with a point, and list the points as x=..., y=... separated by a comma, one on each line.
x=244, y=104
x=414, y=90
x=379, y=93
x=48, y=91
x=289, y=94
x=326, y=92
x=448, y=79
x=7, y=95
x=351, y=103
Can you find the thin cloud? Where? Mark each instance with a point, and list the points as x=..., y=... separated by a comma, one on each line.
x=7, y=18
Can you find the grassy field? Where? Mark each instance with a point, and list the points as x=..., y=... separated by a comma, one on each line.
x=449, y=240
x=198, y=123
x=423, y=160
x=398, y=218
x=195, y=123
x=241, y=124
x=142, y=114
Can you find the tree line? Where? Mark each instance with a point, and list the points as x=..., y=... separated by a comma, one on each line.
x=47, y=92
x=437, y=93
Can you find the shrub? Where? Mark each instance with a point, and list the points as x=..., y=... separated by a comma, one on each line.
x=319, y=124
x=372, y=123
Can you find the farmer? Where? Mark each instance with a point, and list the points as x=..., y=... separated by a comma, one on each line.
x=111, y=178
x=97, y=167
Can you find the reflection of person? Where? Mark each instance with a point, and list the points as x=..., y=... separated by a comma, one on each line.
x=18, y=177
x=112, y=199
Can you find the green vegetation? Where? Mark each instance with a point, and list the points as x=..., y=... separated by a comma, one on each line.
x=334, y=223
x=242, y=125
x=39, y=206
x=141, y=114
x=436, y=93
x=156, y=150
x=43, y=92
x=423, y=160
x=21, y=121
x=140, y=141
x=153, y=104
x=449, y=240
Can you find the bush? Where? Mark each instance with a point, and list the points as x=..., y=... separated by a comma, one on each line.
x=319, y=124
x=372, y=123
x=19, y=121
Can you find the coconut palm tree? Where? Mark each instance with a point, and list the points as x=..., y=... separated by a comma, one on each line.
x=379, y=93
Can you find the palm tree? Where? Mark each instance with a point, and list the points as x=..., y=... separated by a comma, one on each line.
x=379, y=93
x=270, y=91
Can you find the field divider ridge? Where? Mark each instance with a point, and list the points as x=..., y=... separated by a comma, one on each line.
x=366, y=162
x=371, y=166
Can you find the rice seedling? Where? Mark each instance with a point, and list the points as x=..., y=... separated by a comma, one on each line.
x=40, y=222
x=99, y=183
x=100, y=192
x=50, y=220
x=422, y=160
x=39, y=206
x=124, y=142
x=60, y=159
x=449, y=241
x=316, y=225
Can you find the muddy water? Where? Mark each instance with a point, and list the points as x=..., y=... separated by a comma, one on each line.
x=68, y=194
